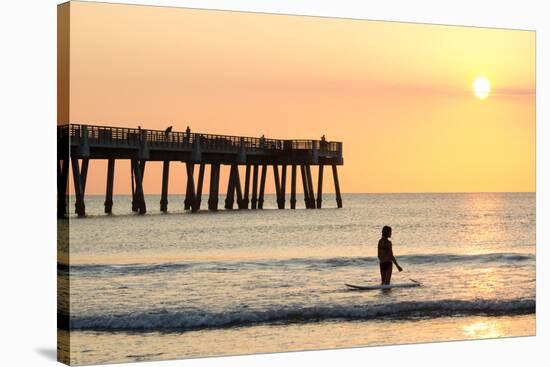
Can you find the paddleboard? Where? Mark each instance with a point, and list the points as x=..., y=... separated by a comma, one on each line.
x=413, y=283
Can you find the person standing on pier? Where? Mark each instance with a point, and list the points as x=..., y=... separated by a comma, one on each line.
x=323, y=143
x=188, y=134
x=167, y=132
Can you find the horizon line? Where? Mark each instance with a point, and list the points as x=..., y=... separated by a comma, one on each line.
x=359, y=193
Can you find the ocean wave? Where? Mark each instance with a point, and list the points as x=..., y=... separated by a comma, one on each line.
x=179, y=321
x=311, y=263
x=125, y=269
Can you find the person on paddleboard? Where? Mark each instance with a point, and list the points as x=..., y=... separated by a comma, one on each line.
x=385, y=256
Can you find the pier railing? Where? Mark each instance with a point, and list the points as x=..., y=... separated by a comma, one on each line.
x=132, y=137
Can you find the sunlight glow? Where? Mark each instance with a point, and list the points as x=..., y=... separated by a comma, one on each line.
x=481, y=87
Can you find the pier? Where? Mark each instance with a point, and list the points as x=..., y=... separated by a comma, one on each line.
x=78, y=144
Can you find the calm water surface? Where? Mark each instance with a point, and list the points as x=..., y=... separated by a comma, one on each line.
x=186, y=285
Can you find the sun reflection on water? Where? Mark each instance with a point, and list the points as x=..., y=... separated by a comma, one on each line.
x=483, y=219
x=483, y=329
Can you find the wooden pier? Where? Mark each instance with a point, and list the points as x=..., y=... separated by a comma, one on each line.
x=78, y=144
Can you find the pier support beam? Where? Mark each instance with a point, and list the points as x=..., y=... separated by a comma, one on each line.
x=337, y=186
x=277, y=184
x=141, y=165
x=164, y=189
x=234, y=186
x=80, y=208
x=293, y=187
x=262, y=187
x=305, y=185
x=320, y=187
x=310, y=187
x=230, y=194
x=197, y=202
x=238, y=187
x=84, y=174
x=246, y=200
x=282, y=198
x=190, y=191
x=139, y=197
x=134, y=205
x=62, y=182
x=254, y=201
x=214, y=186
x=109, y=189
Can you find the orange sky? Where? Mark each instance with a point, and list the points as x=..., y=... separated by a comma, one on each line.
x=398, y=95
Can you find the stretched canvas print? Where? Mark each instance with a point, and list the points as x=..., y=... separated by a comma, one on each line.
x=238, y=183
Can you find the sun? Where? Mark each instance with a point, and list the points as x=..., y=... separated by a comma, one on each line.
x=481, y=87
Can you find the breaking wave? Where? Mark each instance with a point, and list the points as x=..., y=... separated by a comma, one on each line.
x=312, y=263
x=179, y=320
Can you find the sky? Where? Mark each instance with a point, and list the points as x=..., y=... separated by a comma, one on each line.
x=398, y=95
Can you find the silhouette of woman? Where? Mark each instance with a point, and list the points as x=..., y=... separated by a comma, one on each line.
x=385, y=256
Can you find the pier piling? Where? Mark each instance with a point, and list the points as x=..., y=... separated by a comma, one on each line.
x=84, y=174
x=62, y=183
x=238, y=187
x=254, y=201
x=262, y=187
x=310, y=187
x=197, y=202
x=305, y=185
x=214, y=186
x=138, y=178
x=164, y=189
x=141, y=167
x=230, y=194
x=293, y=187
x=190, y=190
x=337, y=186
x=283, y=187
x=246, y=189
x=80, y=208
x=320, y=187
x=109, y=189
x=132, y=179
x=277, y=185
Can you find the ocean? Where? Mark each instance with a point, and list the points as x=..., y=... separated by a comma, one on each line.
x=184, y=285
